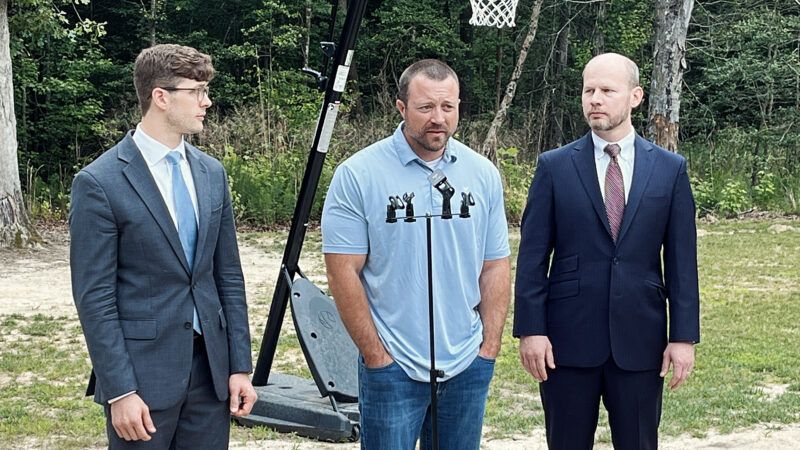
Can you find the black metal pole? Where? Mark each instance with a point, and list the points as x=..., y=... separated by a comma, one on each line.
x=434, y=373
x=330, y=107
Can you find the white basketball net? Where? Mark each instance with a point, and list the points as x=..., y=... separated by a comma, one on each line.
x=493, y=13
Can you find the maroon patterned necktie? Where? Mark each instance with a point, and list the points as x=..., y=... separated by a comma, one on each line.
x=615, y=191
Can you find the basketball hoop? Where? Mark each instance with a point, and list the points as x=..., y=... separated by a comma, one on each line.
x=493, y=13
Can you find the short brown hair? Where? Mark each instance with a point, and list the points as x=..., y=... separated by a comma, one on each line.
x=433, y=69
x=161, y=65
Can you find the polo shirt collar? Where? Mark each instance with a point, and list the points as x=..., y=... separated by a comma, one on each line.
x=406, y=154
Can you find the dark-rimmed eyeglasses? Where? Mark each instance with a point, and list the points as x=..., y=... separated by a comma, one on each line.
x=200, y=92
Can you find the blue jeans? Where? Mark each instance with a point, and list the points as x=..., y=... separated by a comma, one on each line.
x=395, y=410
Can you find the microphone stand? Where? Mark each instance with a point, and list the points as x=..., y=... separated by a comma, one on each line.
x=395, y=203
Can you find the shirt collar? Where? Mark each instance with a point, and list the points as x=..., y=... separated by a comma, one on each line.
x=152, y=150
x=406, y=154
x=626, y=146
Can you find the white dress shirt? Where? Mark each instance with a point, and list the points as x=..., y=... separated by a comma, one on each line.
x=155, y=155
x=624, y=159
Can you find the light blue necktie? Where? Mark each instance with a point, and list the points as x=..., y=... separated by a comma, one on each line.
x=187, y=221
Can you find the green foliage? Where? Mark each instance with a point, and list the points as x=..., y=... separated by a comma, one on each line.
x=733, y=198
x=517, y=176
x=59, y=82
x=265, y=189
x=72, y=60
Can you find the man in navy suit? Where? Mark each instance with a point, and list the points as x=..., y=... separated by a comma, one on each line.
x=607, y=259
x=156, y=276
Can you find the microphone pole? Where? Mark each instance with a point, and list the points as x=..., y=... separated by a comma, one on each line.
x=439, y=181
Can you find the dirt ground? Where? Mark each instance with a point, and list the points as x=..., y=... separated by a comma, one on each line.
x=37, y=281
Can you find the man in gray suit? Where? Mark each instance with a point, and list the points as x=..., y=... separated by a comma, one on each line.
x=156, y=276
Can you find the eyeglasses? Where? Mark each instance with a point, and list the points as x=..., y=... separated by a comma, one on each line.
x=200, y=92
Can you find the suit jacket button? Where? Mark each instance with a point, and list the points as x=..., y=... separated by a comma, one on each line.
x=615, y=260
x=187, y=325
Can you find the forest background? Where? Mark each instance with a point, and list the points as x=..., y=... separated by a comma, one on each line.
x=74, y=98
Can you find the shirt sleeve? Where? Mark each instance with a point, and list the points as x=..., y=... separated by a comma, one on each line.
x=496, y=246
x=344, y=223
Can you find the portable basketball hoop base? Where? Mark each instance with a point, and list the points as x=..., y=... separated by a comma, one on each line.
x=325, y=408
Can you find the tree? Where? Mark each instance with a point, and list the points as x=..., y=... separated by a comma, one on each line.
x=15, y=228
x=669, y=49
x=488, y=148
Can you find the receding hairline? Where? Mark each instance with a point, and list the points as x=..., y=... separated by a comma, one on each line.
x=630, y=66
x=431, y=69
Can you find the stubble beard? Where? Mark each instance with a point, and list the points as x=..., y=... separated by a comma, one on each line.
x=419, y=138
x=607, y=123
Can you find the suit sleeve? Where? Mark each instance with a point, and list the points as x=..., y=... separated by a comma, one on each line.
x=536, y=245
x=680, y=263
x=93, y=265
x=230, y=287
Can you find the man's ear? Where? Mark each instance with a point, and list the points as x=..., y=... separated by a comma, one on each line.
x=637, y=94
x=159, y=98
x=401, y=107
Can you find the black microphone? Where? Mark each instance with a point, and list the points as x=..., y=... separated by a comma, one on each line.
x=439, y=181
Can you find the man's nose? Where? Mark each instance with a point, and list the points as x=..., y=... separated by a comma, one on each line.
x=437, y=116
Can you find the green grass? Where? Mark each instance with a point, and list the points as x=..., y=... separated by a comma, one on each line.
x=750, y=307
x=750, y=294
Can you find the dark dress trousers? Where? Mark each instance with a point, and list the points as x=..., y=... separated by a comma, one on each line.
x=606, y=307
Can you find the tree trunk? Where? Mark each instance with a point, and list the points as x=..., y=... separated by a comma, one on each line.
x=15, y=229
x=561, y=61
x=498, y=71
x=153, y=19
x=307, y=38
x=489, y=146
x=598, y=38
x=672, y=22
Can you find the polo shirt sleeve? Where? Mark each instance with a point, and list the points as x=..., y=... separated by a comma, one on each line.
x=344, y=223
x=496, y=246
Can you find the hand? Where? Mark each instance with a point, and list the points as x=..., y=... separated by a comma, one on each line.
x=130, y=418
x=681, y=356
x=378, y=359
x=243, y=395
x=536, y=355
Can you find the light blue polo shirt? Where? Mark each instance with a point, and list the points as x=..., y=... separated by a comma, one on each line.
x=395, y=275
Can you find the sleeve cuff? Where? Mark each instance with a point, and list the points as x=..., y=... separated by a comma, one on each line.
x=120, y=397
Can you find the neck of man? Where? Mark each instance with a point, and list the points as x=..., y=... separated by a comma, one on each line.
x=158, y=129
x=617, y=133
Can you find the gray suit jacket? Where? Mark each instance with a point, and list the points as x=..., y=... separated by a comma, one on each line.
x=132, y=285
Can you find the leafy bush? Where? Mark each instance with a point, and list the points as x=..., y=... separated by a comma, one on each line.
x=517, y=178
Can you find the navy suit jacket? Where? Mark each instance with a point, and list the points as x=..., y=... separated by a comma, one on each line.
x=593, y=298
x=134, y=289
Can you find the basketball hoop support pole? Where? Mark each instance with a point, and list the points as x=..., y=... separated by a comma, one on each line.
x=289, y=268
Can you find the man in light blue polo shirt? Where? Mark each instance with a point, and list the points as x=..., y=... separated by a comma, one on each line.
x=377, y=271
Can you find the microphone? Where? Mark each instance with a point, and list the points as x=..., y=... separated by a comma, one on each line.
x=439, y=181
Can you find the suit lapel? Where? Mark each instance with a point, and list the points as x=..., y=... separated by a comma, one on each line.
x=203, y=191
x=138, y=174
x=643, y=160
x=583, y=158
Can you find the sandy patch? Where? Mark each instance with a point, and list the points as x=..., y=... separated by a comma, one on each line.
x=780, y=228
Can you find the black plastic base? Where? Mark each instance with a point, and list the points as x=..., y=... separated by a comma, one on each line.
x=290, y=404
